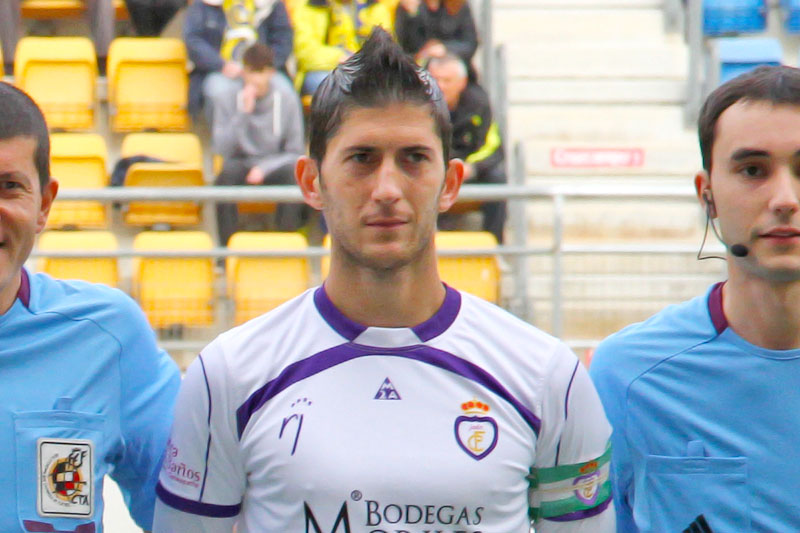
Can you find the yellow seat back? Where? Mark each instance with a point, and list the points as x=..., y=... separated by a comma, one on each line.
x=78, y=161
x=478, y=275
x=148, y=84
x=259, y=284
x=174, y=290
x=325, y=261
x=94, y=269
x=183, y=169
x=59, y=73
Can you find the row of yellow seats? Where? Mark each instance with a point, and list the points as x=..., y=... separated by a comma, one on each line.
x=147, y=82
x=61, y=9
x=180, y=290
x=79, y=161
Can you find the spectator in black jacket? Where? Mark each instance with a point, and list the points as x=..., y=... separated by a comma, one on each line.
x=217, y=32
x=476, y=137
x=432, y=28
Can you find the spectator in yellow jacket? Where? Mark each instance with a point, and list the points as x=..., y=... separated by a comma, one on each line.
x=327, y=32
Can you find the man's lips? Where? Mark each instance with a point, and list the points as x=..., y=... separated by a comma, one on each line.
x=781, y=233
x=385, y=222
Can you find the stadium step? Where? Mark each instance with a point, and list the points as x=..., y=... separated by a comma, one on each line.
x=597, y=91
x=593, y=60
x=594, y=123
x=524, y=23
x=631, y=159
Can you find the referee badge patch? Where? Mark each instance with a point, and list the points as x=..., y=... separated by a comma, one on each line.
x=65, y=477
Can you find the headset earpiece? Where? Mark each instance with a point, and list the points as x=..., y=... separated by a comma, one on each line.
x=711, y=209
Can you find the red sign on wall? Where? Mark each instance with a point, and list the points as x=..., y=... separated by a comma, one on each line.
x=596, y=157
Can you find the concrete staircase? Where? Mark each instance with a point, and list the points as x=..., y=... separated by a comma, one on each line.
x=595, y=95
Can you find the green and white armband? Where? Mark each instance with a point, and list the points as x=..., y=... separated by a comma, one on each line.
x=571, y=492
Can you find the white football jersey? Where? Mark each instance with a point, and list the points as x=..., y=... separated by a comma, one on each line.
x=305, y=421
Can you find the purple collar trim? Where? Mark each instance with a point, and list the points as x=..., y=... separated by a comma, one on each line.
x=24, y=292
x=431, y=328
x=715, y=308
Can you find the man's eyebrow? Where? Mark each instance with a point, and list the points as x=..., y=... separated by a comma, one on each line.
x=360, y=148
x=746, y=153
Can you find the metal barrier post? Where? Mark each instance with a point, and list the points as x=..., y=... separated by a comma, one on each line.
x=499, y=94
x=519, y=301
x=486, y=38
x=694, y=80
x=558, y=253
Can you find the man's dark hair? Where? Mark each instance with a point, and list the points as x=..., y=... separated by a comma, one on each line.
x=21, y=117
x=775, y=84
x=258, y=57
x=378, y=75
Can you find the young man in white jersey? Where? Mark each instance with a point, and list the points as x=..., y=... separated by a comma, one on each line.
x=385, y=401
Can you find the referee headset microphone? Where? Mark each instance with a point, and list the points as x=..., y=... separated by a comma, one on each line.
x=737, y=249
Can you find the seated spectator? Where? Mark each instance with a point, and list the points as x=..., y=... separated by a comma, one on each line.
x=476, y=137
x=327, y=32
x=150, y=17
x=218, y=31
x=433, y=28
x=258, y=130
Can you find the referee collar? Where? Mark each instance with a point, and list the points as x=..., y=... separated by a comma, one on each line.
x=24, y=292
x=715, y=308
x=351, y=330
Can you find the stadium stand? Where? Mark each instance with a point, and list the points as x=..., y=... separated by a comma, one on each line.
x=736, y=55
x=68, y=104
x=478, y=275
x=723, y=17
x=791, y=14
x=148, y=84
x=182, y=167
x=95, y=269
x=174, y=291
x=78, y=161
x=259, y=284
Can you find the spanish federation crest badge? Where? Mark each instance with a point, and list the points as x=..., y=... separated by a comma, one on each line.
x=65, y=477
x=476, y=432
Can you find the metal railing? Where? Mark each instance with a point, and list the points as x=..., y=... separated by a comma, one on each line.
x=516, y=253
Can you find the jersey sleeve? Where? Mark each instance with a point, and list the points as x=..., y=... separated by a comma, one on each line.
x=202, y=479
x=611, y=389
x=149, y=381
x=570, y=488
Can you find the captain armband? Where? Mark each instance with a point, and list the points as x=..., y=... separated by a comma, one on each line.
x=571, y=492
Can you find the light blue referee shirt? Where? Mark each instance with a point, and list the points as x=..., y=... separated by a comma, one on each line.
x=704, y=423
x=84, y=391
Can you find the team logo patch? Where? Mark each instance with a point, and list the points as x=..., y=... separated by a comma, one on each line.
x=66, y=477
x=476, y=433
x=587, y=487
x=387, y=391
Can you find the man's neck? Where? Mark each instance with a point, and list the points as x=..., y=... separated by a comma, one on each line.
x=8, y=294
x=764, y=313
x=402, y=298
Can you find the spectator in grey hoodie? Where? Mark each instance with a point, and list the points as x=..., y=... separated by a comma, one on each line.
x=258, y=130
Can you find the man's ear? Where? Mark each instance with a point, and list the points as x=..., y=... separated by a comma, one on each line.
x=702, y=186
x=453, y=178
x=48, y=195
x=306, y=172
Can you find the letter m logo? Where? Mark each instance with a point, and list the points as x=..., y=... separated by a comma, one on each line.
x=342, y=519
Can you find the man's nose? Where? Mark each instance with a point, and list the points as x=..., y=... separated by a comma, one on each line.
x=784, y=199
x=387, y=182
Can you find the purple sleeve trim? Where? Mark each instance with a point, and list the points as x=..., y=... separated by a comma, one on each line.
x=715, y=308
x=208, y=443
x=580, y=515
x=195, y=507
x=343, y=353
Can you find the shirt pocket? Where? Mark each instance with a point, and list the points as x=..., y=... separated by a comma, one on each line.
x=56, y=470
x=674, y=491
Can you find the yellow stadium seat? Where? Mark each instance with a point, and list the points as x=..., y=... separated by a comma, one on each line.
x=61, y=9
x=94, y=269
x=59, y=73
x=259, y=284
x=78, y=161
x=325, y=261
x=148, y=84
x=478, y=275
x=174, y=291
x=184, y=168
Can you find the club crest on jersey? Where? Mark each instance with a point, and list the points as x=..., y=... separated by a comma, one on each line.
x=476, y=433
x=65, y=477
x=587, y=487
